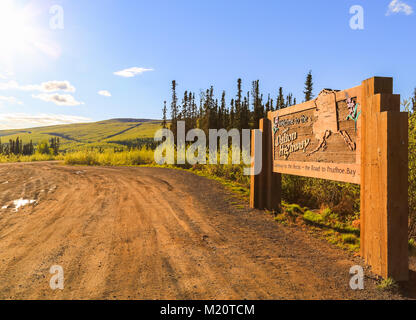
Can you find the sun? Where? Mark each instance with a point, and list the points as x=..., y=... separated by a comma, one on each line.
x=19, y=34
x=15, y=30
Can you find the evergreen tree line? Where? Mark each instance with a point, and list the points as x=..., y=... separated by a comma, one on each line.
x=138, y=143
x=17, y=147
x=55, y=143
x=244, y=110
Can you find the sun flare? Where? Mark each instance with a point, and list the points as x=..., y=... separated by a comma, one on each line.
x=19, y=34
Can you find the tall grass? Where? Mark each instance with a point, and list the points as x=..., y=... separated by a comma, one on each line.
x=32, y=158
x=110, y=158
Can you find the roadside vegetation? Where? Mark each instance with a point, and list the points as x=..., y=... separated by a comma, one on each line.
x=110, y=157
x=17, y=151
x=388, y=285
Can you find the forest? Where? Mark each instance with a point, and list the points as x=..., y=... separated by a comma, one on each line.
x=18, y=148
x=243, y=112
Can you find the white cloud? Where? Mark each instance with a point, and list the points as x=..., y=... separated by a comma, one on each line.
x=11, y=100
x=52, y=86
x=58, y=99
x=397, y=6
x=49, y=86
x=24, y=120
x=131, y=72
x=104, y=93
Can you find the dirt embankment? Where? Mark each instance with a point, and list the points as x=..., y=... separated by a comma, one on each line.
x=151, y=233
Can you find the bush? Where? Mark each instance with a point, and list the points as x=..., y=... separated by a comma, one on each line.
x=388, y=285
x=35, y=157
x=110, y=158
x=349, y=238
x=293, y=209
x=412, y=247
x=342, y=198
x=312, y=217
x=43, y=148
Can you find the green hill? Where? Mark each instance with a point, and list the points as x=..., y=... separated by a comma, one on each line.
x=108, y=133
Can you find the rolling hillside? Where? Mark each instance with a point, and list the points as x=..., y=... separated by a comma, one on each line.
x=108, y=133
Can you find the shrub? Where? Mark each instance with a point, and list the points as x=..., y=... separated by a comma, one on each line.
x=312, y=217
x=43, y=148
x=110, y=158
x=388, y=285
x=349, y=238
x=293, y=209
x=412, y=247
x=342, y=198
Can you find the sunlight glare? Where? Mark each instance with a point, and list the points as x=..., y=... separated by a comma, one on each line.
x=18, y=34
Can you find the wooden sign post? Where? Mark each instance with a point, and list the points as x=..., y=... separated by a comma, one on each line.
x=358, y=136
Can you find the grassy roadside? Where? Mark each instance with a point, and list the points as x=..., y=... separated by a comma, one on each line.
x=322, y=223
x=33, y=158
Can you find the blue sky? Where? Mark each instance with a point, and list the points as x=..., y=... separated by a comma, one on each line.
x=51, y=76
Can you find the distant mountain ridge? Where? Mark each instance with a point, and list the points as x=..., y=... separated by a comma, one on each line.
x=130, y=120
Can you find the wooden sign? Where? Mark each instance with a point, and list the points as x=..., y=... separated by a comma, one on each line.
x=320, y=138
x=356, y=135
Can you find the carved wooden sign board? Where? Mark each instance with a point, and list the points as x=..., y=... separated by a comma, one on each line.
x=356, y=135
x=319, y=138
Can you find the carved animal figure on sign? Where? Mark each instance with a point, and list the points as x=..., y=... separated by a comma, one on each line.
x=327, y=121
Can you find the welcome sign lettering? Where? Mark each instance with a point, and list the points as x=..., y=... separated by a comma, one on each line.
x=319, y=138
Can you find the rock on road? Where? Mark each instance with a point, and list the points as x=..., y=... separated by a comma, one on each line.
x=153, y=233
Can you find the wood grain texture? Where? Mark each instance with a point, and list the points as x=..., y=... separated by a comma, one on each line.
x=332, y=139
x=384, y=203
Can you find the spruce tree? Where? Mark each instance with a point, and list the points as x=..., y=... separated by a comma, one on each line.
x=174, y=109
x=258, y=108
x=222, y=122
x=238, y=106
x=232, y=115
x=17, y=146
x=414, y=101
x=268, y=108
x=289, y=100
x=308, y=87
x=209, y=118
x=191, y=111
x=164, y=122
x=245, y=112
x=183, y=115
x=194, y=112
x=280, y=100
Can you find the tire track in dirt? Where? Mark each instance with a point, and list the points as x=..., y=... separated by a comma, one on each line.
x=152, y=233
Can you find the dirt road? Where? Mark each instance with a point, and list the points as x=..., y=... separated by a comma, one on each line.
x=151, y=233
